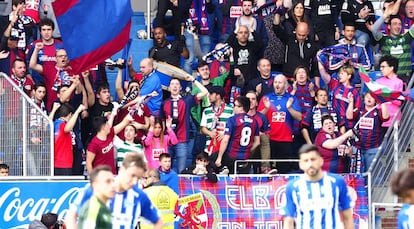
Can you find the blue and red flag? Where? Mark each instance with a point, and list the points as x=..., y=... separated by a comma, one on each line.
x=268, y=7
x=92, y=31
x=334, y=57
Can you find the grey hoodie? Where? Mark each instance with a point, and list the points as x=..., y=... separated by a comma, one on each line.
x=36, y=224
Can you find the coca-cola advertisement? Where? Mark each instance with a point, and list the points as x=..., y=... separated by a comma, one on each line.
x=21, y=202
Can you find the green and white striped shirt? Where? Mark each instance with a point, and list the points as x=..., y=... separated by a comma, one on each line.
x=123, y=148
x=215, y=118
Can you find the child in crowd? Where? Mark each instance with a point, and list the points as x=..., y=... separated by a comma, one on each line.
x=202, y=168
x=63, y=130
x=130, y=144
x=167, y=175
x=156, y=142
x=4, y=170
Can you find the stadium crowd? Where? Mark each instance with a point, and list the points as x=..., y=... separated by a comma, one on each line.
x=270, y=77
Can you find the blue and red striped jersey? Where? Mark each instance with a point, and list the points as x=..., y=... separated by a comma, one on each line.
x=242, y=128
x=332, y=162
x=339, y=96
x=183, y=120
x=370, y=129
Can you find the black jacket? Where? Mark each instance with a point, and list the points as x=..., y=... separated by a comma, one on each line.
x=292, y=53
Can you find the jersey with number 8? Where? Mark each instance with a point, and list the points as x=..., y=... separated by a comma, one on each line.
x=242, y=129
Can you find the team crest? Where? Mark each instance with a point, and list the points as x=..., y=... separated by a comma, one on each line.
x=192, y=211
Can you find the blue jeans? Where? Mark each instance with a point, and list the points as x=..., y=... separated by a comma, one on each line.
x=190, y=146
x=367, y=156
x=215, y=21
x=362, y=38
x=205, y=42
x=179, y=156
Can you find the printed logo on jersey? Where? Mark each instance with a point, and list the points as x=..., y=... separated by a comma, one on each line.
x=324, y=9
x=156, y=153
x=366, y=123
x=236, y=11
x=243, y=57
x=107, y=148
x=278, y=116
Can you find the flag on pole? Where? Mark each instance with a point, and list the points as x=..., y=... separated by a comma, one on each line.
x=125, y=56
x=380, y=92
x=92, y=31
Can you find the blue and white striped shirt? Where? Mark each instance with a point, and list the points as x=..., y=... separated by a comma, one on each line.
x=317, y=204
x=406, y=217
x=126, y=207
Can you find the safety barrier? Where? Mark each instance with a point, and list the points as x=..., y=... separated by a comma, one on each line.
x=239, y=162
x=389, y=157
x=25, y=132
x=392, y=150
x=390, y=208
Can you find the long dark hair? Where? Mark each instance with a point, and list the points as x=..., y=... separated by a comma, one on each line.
x=161, y=122
x=291, y=13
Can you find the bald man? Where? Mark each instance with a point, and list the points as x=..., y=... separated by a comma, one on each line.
x=302, y=31
x=246, y=53
x=150, y=82
x=281, y=109
x=300, y=49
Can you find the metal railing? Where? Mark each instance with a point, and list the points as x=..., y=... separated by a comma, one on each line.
x=238, y=162
x=388, y=207
x=26, y=132
x=149, y=19
x=392, y=150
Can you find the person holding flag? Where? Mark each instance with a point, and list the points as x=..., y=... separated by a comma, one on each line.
x=370, y=119
x=340, y=89
x=390, y=79
x=131, y=102
x=347, y=51
x=384, y=93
